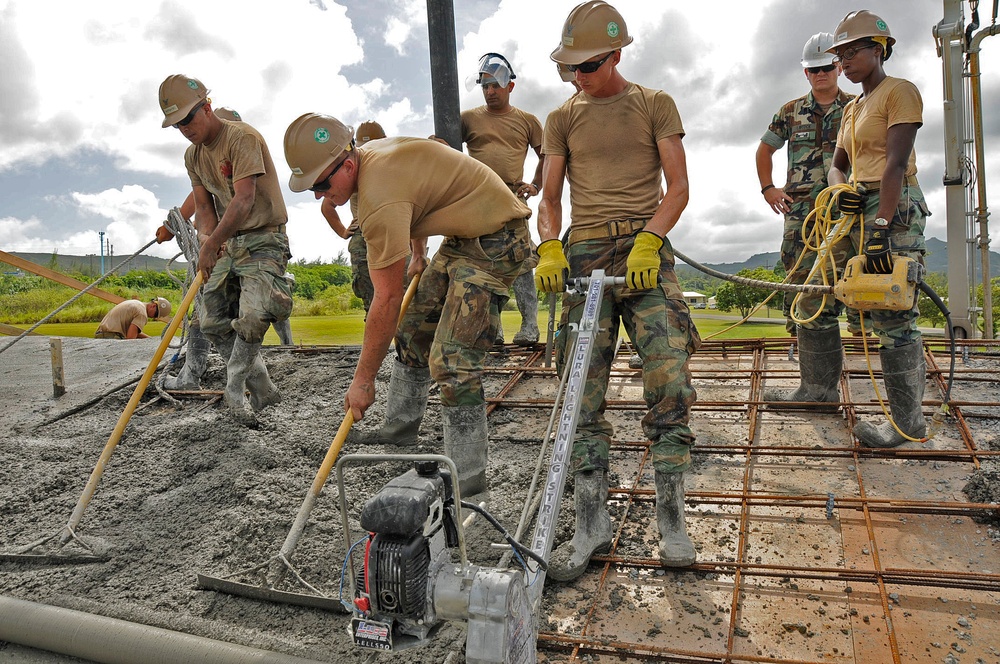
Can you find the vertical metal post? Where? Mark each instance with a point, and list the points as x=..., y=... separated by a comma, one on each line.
x=101, y=233
x=961, y=260
x=58, y=377
x=444, y=71
x=982, y=210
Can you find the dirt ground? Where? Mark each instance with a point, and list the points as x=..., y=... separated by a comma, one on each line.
x=191, y=491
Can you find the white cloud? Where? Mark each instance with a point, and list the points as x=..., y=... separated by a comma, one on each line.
x=75, y=81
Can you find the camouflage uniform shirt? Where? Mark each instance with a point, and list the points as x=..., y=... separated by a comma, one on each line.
x=812, y=138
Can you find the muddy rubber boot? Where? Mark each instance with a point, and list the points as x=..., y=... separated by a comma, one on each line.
x=240, y=365
x=593, y=532
x=284, y=331
x=527, y=303
x=405, y=406
x=634, y=361
x=263, y=392
x=821, y=360
x=904, y=374
x=195, y=363
x=465, y=441
x=676, y=549
x=499, y=341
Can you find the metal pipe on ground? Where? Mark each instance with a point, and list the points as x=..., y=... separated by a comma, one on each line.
x=113, y=641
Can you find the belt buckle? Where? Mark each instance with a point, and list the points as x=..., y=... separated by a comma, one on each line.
x=615, y=227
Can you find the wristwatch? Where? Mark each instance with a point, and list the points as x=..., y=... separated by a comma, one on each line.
x=881, y=223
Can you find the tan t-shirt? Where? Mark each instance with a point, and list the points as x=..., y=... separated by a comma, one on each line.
x=124, y=315
x=417, y=187
x=893, y=101
x=238, y=152
x=501, y=141
x=612, y=162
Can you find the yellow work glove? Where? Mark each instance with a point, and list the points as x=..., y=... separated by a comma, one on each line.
x=550, y=274
x=643, y=263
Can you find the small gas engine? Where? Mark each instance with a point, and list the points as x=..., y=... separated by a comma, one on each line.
x=409, y=584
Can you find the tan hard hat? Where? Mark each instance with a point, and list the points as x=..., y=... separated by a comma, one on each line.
x=859, y=25
x=312, y=143
x=368, y=131
x=592, y=28
x=226, y=113
x=178, y=95
x=162, y=306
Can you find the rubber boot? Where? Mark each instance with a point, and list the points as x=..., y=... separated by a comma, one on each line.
x=821, y=360
x=263, y=392
x=283, y=329
x=405, y=406
x=465, y=441
x=195, y=363
x=593, y=532
x=527, y=303
x=634, y=361
x=676, y=549
x=904, y=374
x=499, y=341
x=241, y=363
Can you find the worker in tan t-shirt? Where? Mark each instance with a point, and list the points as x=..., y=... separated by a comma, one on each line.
x=499, y=135
x=127, y=319
x=238, y=205
x=408, y=190
x=615, y=142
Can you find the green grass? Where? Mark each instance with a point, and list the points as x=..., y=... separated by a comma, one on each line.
x=348, y=329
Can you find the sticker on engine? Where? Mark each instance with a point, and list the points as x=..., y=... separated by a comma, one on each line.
x=371, y=634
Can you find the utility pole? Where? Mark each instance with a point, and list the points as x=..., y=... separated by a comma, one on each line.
x=101, y=233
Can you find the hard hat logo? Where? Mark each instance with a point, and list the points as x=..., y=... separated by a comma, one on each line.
x=321, y=135
x=192, y=84
x=612, y=29
x=881, y=25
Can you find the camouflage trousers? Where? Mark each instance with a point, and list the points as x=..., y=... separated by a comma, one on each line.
x=660, y=326
x=361, y=278
x=792, y=247
x=906, y=238
x=247, y=290
x=452, y=321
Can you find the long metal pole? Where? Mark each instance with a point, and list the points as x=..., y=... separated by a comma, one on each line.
x=960, y=255
x=444, y=71
x=982, y=210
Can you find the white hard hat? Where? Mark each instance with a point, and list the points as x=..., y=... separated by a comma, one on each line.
x=814, y=53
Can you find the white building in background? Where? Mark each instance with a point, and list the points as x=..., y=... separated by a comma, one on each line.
x=695, y=300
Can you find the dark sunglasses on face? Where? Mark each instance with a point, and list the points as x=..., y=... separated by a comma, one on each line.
x=826, y=69
x=190, y=116
x=589, y=67
x=324, y=186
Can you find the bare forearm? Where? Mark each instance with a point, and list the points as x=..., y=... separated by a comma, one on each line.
x=670, y=210
x=380, y=326
x=549, y=218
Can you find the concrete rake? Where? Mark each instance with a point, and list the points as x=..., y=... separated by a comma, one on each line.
x=68, y=533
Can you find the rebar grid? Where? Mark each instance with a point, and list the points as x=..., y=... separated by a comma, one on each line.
x=745, y=366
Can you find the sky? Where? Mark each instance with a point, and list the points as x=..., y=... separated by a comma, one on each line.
x=82, y=150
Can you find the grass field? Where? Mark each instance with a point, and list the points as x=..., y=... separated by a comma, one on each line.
x=348, y=329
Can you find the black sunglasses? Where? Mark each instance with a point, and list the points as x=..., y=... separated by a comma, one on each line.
x=826, y=69
x=589, y=67
x=190, y=116
x=324, y=186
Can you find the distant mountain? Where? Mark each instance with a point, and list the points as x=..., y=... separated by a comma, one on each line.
x=936, y=261
x=91, y=265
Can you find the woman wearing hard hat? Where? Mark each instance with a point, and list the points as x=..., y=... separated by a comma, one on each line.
x=875, y=145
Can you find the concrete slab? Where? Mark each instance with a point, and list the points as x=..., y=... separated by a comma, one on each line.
x=92, y=369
